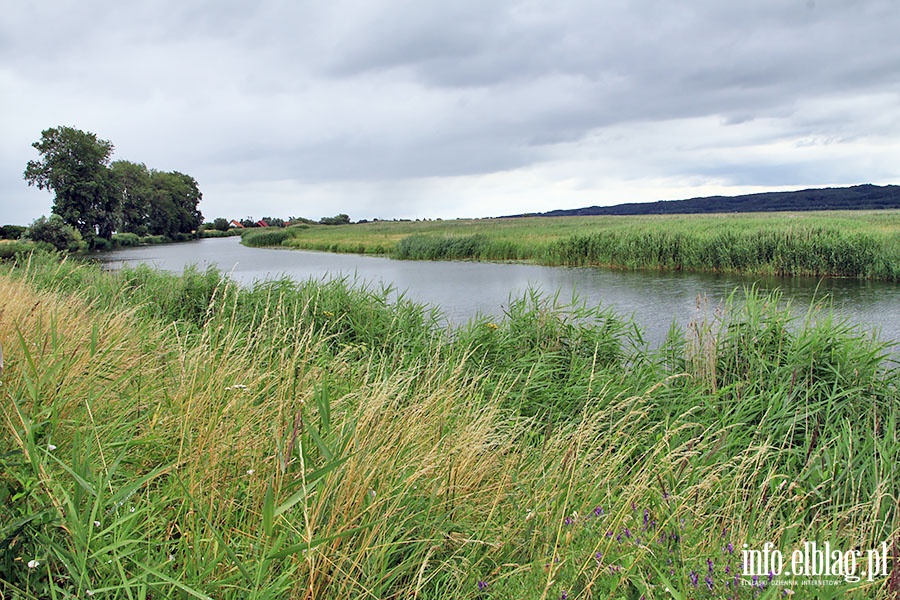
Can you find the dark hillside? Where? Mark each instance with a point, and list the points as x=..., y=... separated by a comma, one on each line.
x=858, y=197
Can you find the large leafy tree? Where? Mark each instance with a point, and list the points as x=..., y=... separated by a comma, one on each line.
x=74, y=164
x=133, y=185
x=173, y=205
x=98, y=198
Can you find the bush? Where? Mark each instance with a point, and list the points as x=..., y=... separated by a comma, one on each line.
x=11, y=232
x=340, y=219
x=56, y=232
x=155, y=239
x=215, y=233
x=126, y=239
x=9, y=250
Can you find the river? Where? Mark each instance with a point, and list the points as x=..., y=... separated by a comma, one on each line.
x=464, y=289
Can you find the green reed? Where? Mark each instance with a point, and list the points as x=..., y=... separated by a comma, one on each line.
x=182, y=437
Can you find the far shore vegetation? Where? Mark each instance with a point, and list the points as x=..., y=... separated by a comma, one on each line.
x=860, y=244
x=166, y=436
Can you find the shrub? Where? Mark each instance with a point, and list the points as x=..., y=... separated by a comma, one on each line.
x=56, y=232
x=126, y=239
x=155, y=239
x=340, y=219
x=11, y=232
x=9, y=250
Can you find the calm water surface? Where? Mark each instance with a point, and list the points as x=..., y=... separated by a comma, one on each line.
x=465, y=289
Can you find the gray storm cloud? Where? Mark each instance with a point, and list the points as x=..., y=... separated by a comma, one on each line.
x=386, y=108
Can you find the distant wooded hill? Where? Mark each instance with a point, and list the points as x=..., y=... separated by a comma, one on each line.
x=857, y=197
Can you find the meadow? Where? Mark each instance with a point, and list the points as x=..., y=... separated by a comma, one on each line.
x=182, y=437
x=862, y=244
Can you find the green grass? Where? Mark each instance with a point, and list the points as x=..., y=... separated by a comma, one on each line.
x=181, y=437
x=862, y=244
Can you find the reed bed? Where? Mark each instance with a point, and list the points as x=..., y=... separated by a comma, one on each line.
x=180, y=437
x=834, y=244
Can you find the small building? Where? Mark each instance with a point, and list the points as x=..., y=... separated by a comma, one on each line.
x=236, y=224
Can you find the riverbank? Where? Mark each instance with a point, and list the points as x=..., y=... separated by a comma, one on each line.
x=9, y=249
x=183, y=436
x=861, y=244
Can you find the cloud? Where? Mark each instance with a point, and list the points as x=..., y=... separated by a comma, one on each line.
x=374, y=108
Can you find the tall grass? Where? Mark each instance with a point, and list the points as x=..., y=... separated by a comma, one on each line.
x=266, y=236
x=816, y=251
x=180, y=437
x=848, y=244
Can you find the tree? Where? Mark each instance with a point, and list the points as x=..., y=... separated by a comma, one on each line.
x=56, y=232
x=274, y=221
x=173, y=204
x=74, y=164
x=11, y=232
x=221, y=224
x=340, y=219
x=132, y=184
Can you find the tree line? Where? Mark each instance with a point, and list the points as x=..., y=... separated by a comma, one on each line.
x=98, y=197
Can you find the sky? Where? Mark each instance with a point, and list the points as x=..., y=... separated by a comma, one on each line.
x=464, y=108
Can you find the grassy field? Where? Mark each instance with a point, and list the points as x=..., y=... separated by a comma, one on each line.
x=838, y=244
x=181, y=437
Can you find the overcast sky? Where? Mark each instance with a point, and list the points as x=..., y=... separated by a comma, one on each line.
x=461, y=108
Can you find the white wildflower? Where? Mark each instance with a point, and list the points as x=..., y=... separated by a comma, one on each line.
x=33, y=564
x=51, y=447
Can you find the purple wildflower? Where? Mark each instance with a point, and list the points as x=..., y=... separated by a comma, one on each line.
x=709, y=582
x=695, y=579
x=482, y=586
x=598, y=511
